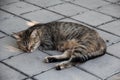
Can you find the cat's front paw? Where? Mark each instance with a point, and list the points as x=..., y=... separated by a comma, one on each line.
x=50, y=59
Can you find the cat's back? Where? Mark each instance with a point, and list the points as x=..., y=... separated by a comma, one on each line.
x=68, y=26
x=66, y=29
x=70, y=29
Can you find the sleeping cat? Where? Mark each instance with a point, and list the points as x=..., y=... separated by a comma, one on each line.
x=77, y=42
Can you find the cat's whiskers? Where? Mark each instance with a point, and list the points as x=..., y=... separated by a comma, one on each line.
x=12, y=48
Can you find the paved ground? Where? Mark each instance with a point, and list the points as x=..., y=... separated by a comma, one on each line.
x=102, y=15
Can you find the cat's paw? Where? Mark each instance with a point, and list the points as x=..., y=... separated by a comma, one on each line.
x=63, y=65
x=50, y=59
x=59, y=67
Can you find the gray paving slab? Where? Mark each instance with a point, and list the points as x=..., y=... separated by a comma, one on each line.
x=7, y=73
x=113, y=1
x=67, y=0
x=67, y=74
x=19, y=8
x=111, y=9
x=42, y=16
x=114, y=49
x=6, y=2
x=93, y=18
x=8, y=48
x=13, y=24
x=115, y=77
x=71, y=20
x=29, y=79
x=45, y=3
x=68, y=20
x=31, y=63
x=68, y=9
x=113, y=27
x=4, y=15
x=91, y=4
x=2, y=35
x=103, y=66
x=53, y=52
x=108, y=38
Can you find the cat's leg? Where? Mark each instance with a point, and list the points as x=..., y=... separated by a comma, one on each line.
x=65, y=64
x=56, y=58
x=45, y=47
x=75, y=59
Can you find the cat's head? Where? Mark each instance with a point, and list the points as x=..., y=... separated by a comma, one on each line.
x=27, y=40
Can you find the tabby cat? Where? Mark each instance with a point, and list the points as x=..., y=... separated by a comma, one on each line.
x=77, y=42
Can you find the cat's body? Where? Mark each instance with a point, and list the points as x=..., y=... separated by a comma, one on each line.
x=77, y=42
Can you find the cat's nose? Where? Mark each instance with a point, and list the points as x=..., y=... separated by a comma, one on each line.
x=28, y=50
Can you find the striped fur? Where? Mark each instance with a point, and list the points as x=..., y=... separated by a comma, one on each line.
x=77, y=42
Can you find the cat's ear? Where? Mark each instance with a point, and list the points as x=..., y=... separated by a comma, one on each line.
x=32, y=23
x=17, y=35
x=34, y=33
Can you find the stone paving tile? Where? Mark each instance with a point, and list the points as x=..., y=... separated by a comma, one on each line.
x=2, y=35
x=68, y=0
x=115, y=77
x=67, y=74
x=53, y=52
x=71, y=20
x=4, y=16
x=8, y=48
x=113, y=1
x=31, y=63
x=13, y=24
x=45, y=3
x=68, y=20
x=42, y=16
x=29, y=79
x=20, y=7
x=108, y=38
x=68, y=9
x=93, y=18
x=91, y=4
x=103, y=66
x=113, y=27
x=7, y=73
x=5, y=2
x=111, y=9
x=114, y=49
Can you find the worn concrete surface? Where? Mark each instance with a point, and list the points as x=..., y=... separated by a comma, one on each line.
x=102, y=15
